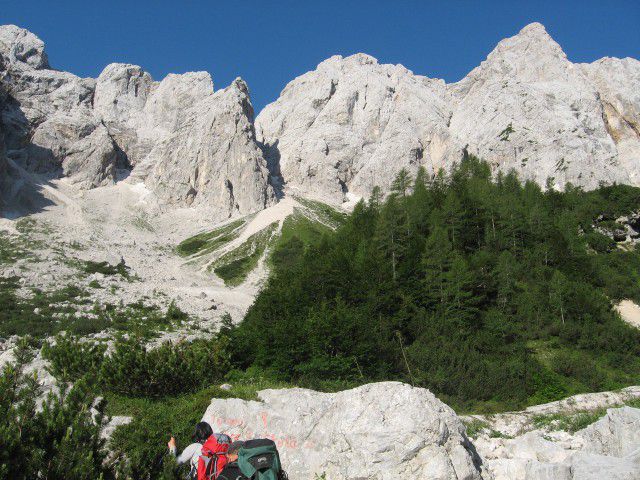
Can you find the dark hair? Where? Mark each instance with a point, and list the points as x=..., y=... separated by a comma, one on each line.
x=203, y=432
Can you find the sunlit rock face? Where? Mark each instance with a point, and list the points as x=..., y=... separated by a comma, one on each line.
x=188, y=143
x=353, y=123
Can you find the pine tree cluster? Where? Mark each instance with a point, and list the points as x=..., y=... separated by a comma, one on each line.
x=487, y=290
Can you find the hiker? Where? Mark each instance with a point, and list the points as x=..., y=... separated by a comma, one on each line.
x=206, y=455
x=231, y=471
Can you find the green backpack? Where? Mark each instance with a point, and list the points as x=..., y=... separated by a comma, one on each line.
x=259, y=460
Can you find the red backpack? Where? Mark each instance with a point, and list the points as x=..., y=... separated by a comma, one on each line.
x=212, y=458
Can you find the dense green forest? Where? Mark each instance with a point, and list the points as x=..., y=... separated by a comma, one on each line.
x=491, y=292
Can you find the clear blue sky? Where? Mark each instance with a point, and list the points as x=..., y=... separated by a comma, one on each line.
x=269, y=43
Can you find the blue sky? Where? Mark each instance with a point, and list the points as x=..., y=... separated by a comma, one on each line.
x=269, y=43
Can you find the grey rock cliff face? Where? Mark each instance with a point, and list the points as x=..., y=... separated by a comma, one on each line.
x=189, y=144
x=3, y=153
x=352, y=123
x=47, y=120
x=343, y=128
x=527, y=107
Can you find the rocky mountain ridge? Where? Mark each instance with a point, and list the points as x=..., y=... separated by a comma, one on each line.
x=334, y=133
x=353, y=123
x=188, y=143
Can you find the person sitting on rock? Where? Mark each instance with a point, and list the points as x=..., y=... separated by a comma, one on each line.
x=203, y=432
x=231, y=471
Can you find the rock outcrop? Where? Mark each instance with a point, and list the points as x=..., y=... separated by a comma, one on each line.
x=617, y=434
x=188, y=143
x=391, y=430
x=608, y=448
x=3, y=154
x=352, y=123
x=528, y=107
x=379, y=431
x=47, y=121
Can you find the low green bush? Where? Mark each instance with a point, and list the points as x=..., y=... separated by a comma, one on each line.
x=57, y=441
x=105, y=268
x=71, y=359
x=134, y=370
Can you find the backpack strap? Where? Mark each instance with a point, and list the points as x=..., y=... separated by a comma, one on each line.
x=209, y=473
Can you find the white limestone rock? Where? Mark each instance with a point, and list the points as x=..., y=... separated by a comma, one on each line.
x=211, y=157
x=617, y=82
x=352, y=124
x=529, y=108
x=617, y=434
x=21, y=46
x=379, y=431
x=608, y=448
x=189, y=144
x=120, y=97
x=4, y=184
x=47, y=118
x=586, y=466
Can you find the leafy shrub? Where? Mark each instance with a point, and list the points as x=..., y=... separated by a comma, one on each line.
x=131, y=369
x=71, y=359
x=599, y=242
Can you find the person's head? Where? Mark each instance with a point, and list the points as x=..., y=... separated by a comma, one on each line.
x=234, y=448
x=202, y=433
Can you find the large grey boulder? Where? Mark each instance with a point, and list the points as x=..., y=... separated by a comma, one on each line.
x=617, y=434
x=585, y=466
x=379, y=431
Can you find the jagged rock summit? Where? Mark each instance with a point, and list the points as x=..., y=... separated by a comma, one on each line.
x=188, y=143
x=334, y=133
x=353, y=123
x=382, y=430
